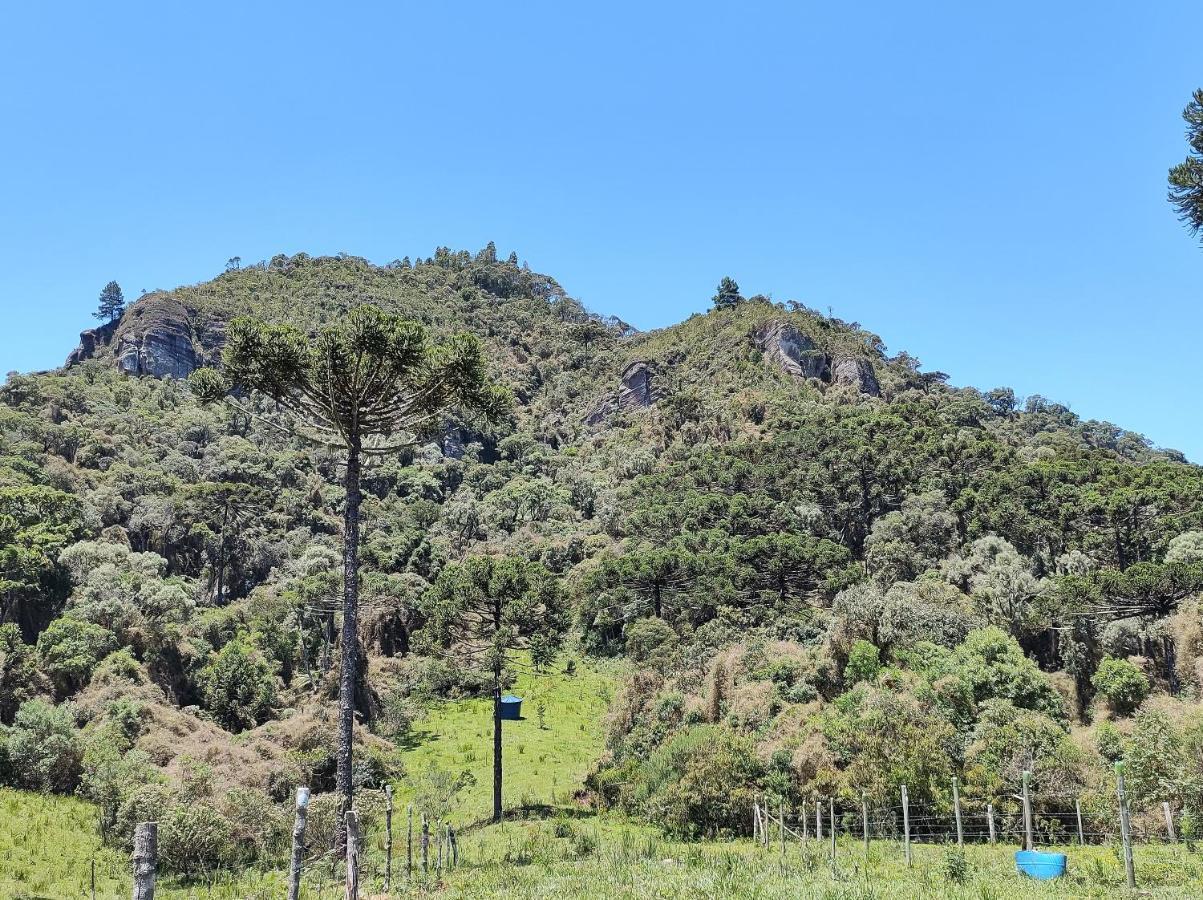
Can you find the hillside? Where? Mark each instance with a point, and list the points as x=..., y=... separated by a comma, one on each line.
x=826, y=571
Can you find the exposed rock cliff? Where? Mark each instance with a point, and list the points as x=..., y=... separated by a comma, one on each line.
x=857, y=373
x=154, y=337
x=785, y=346
x=636, y=390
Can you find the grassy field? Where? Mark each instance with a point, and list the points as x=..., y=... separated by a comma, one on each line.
x=542, y=764
x=47, y=844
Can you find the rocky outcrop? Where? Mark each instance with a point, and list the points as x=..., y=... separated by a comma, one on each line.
x=153, y=338
x=636, y=390
x=784, y=346
x=91, y=342
x=856, y=373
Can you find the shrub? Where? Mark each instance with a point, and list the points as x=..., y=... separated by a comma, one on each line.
x=1121, y=683
x=194, y=837
x=649, y=640
x=238, y=686
x=43, y=748
x=70, y=650
x=864, y=662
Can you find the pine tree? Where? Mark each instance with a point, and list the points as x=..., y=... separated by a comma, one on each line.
x=372, y=384
x=728, y=294
x=112, y=303
x=1186, y=178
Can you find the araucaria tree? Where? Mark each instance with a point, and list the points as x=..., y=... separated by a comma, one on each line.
x=371, y=384
x=112, y=303
x=485, y=609
x=1186, y=178
x=727, y=295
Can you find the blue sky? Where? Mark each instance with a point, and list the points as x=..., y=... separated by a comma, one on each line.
x=981, y=184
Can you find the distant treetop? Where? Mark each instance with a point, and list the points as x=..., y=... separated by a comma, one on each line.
x=728, y=294
x=112, y=303
x=1186, y=178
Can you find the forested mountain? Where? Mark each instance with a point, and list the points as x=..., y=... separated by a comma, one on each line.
x=826, y=568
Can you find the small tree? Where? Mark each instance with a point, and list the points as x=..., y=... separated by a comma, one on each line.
x=112, y=303
x=485, y=609
x=1186, y=178
x=728, y=294
x=371, y=384
x=1121, y=684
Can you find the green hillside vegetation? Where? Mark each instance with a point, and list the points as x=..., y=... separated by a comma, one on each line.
x=817, y=570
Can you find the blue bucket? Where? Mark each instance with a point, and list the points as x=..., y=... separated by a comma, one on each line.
x=511, y=707
x=1041, y=866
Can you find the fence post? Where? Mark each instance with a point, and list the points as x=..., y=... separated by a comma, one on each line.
x=388, y=838
x=805, y=822
x=425, y=846
x=438, y=865
x=864, y=819
x=755, y=821
x=146, y=857
x=818, y=820
x=1081, y=832
x=956, y=803
x=831, y=824
x=990, y=820
x=409, y=843
x=298, y=844
x=1125, y=836
x=781, y=823
x=454, y=847
x=906, y=826
x=1027, y=812
x=352, y=855
x=1169, y=822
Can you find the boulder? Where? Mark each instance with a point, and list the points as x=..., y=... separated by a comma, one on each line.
x=857, y=373
x=787, y=348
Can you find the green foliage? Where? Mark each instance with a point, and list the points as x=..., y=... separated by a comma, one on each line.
x=727, y=294
x=70, y=649
x=864, y=662
x=238, y=686
x=43, y=748
x=1186, y=178
x=1121, y=683
x=112, y=303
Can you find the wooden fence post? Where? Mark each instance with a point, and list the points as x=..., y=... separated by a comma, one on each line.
x=831, y=824
x=818, y=820
x=906, y=826
x=298, y=844
x=1169, y=822
x=409, y=843
x=755, y=821
x=990, y=820
x=388, y=838
x=425, y=846
x=1081, y=832
x=956, y=803
x=864, y=819
x=1027, y=812
x=781, y=823
x=1125, y=835
x=805, y=822
x=146, y=857
x=352, y=855
x=93, y=878
x=454, y=847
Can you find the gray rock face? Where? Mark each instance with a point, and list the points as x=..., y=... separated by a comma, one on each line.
x=790, y=350
x=153, y=338
x=857, y=373
x=636, y=390
x=90, y=342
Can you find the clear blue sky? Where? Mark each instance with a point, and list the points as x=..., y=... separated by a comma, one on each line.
x=981, y=184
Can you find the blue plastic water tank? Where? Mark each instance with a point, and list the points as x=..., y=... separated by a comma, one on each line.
x=1042, y=866
x=511, y=707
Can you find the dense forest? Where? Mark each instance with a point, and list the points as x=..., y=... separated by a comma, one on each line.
x=822, y=568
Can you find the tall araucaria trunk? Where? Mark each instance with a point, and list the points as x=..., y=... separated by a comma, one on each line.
x=349, y=671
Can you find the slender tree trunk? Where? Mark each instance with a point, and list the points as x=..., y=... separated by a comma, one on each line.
x=349, y=671
x=497, y=812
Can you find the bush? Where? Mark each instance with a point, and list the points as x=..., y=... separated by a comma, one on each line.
x=700, y=783
x=864, y=662
x=70, y=650
x=649, y=640
x=43, y=748
x=194, y=838
x=1121, y=683
x=238, y=686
